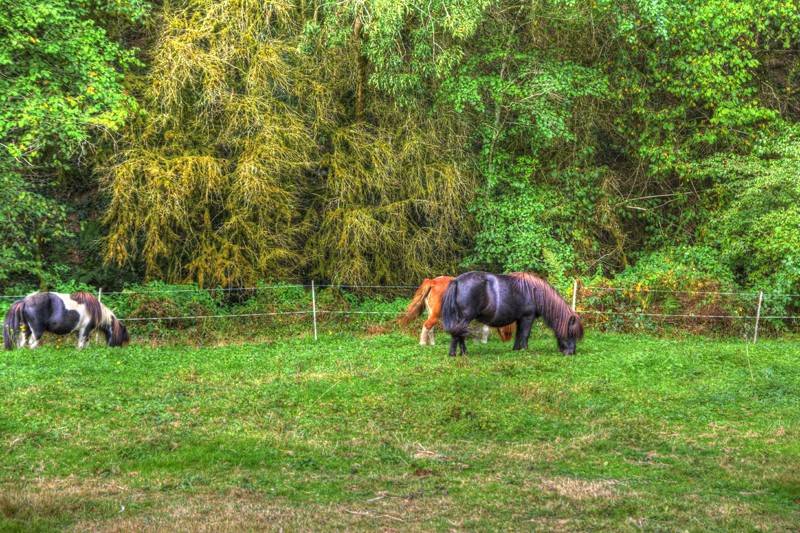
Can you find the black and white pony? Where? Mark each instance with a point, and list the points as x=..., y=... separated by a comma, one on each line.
x=500, y=300
x=81, y=312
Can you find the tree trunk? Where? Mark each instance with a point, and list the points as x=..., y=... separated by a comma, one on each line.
x=361, y=74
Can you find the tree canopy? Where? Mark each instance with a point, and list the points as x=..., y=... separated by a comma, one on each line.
x=383, y=141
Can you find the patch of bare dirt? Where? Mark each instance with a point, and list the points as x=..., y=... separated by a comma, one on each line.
x=59, y=496
x=581, y=489
x=248, y=511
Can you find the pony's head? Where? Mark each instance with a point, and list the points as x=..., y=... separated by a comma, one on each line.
x=116, y=333
x=568, y=337
x=114, y=330
x=556, y=312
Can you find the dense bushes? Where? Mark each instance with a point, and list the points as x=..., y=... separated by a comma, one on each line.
x=632, y=142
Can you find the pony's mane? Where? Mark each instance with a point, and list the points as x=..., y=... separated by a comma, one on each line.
x=555, y=311
x=119, y=335
x=101, y=315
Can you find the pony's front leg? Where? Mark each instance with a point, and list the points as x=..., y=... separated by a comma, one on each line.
x=518, y=337
x=83, y=338
x=453, y=344
x=523, y=332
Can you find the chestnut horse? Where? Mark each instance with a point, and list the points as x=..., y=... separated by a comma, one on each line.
x=429, y=295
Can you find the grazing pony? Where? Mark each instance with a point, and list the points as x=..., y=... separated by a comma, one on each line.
x=499, y=300
x=429, y=296
x=29, y=318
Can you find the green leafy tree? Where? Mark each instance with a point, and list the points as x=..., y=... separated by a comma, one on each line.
x=757, y=231
x=31, y=223
x=61, y=87
x=263, y=153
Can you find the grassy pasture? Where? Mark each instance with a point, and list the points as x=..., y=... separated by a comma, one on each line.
x=377, y=432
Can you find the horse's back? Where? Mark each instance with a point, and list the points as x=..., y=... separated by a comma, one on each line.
x=52, y=311
x=495, y=299
x=38, y=299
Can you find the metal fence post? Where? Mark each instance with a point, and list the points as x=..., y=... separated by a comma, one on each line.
x=758, y=315
x=574, y=293
x=314, y=307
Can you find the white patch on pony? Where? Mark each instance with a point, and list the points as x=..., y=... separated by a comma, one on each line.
x=484, y=334
x=71, y=305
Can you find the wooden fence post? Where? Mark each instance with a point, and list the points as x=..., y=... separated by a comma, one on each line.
x=314, y=307
x=99, y=299
x=574, y=293
x=758, y=315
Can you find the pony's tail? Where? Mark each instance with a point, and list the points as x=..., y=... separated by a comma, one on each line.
x=417, y=304
x=451, y=314
x=12, y=323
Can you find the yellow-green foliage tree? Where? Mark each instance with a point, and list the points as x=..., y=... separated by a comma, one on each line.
x=263, y=153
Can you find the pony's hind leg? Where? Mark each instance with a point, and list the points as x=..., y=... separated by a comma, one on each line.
x=427, y=329
x=34, y=338
x=34, y=327
x=426, y=337
x=462, y=342
x=22, y=336
x=34, y=333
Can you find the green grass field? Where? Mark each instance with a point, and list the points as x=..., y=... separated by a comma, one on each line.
x=378, y=432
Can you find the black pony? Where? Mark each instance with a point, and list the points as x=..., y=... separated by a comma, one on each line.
x=28, y=319
x=499, y=300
